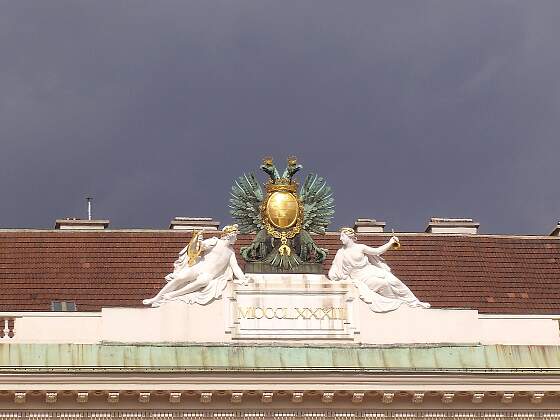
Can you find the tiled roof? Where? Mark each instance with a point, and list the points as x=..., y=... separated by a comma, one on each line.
x=494, y=274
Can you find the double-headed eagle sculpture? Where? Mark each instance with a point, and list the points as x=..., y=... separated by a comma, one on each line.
x=282, y=217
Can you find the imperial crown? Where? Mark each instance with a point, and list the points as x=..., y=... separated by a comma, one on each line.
x=281, y=184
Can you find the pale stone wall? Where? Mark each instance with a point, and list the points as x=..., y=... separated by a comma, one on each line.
x=53, y=327
x=282, y=308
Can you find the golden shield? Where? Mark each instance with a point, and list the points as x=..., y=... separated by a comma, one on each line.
x=282, y=209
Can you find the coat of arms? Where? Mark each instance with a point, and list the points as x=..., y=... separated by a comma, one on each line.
x=283, y=218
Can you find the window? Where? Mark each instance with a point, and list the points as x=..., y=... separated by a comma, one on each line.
x=63, y=306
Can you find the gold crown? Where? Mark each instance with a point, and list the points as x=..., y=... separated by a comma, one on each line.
x=230, y=229
x=281, y=184
x=348, y=231
x=292, y=161
x=267, y=160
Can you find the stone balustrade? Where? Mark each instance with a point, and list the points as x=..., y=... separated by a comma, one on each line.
x=7, y=327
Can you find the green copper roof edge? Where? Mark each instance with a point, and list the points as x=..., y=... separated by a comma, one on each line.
x=275, y=344
x=269, y=358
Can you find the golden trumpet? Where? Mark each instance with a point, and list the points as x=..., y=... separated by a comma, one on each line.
x=194, y=249
x=396, y=245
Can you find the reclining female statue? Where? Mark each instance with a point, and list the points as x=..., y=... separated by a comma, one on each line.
x=363, y=265
x=202, y=276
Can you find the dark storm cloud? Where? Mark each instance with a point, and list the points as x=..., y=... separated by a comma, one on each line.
x=410, y=109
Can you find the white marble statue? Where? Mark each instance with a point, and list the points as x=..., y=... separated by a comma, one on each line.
x=202, y=270
x=363, y=265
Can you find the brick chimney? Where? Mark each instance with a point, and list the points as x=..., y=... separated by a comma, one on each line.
x=368, y=226
x=194, y=223
x=448, y=225
x=72, y=223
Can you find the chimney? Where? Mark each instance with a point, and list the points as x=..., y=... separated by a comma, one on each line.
x=72, y=223
x=369, y=226
x=194, y=223
x=556, y=231
x=446, y=225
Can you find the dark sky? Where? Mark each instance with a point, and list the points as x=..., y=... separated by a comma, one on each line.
x=410, y=109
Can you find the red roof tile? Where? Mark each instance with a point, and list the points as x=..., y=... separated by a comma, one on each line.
x=494, y=274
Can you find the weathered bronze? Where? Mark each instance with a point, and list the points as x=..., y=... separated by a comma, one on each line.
x=283, y=217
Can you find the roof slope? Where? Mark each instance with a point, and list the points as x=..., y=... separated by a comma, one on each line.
x=494, y=274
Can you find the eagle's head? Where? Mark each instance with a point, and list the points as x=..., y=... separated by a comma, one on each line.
x=269, y=167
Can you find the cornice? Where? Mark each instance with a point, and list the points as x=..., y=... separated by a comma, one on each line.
x=341, y=400
x=279, y=382
x=261, y=390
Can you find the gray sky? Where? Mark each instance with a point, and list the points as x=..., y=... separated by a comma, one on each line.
x=409, y=109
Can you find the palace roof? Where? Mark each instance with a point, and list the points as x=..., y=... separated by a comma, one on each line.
x=491, y=273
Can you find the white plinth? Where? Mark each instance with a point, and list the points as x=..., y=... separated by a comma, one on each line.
x=292, y=306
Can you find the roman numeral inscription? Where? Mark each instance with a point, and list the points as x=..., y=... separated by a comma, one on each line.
x=292, y=306
x=257, y=312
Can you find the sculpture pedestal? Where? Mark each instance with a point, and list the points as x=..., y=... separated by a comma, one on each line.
x=265, y=268
x=292, y=306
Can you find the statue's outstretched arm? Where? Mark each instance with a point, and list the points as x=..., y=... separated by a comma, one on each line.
x=379, y=250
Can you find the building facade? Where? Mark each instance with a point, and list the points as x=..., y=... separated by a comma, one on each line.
x=78, y=343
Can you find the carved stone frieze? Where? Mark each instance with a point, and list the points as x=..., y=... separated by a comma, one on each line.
x=334, y=398
x=478, y=397
x=266, y=397
x=507, y=397
x=327, y=397
x=358, y=397
x=537, y=397
x=297, y=397
x=144, y=397
x=113, y=397
x=205, y=397
x=174, y=397
x=236, y=397
x=388, y=397
x=447, y=397
x=20, y=397
x=285, y=414
x=82, y=397
x=51, y=397
x=418, y=398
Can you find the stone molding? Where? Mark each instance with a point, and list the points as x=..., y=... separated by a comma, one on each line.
x=284, y=414
x=342, y=398
x=327, y=381
x=281, y=390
